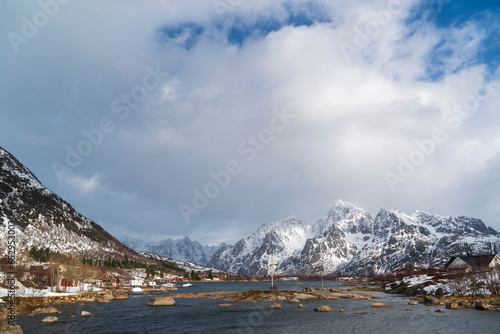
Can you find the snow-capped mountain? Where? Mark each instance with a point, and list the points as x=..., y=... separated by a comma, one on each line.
x=43, y=219
x=348, y=240
x=181, y=249
x=252, y=255
x=186, y=265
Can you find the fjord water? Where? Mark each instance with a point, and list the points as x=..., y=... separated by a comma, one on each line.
x=204, y=315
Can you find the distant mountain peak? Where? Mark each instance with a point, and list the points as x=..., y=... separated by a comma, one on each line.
x=340, y=203
x=183, y=249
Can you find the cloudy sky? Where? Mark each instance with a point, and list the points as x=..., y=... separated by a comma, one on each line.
x=208, y=118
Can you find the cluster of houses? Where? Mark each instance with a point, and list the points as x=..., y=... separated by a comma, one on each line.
x=109, y=279
x=468, y=264
x=66, y=276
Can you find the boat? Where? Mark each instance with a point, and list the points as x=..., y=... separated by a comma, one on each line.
x=186, y=285
x=137, y=289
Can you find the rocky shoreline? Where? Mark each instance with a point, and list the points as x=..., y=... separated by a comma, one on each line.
x=30, y=306
x=282, y=296
x=24, y=305
x=482, y=303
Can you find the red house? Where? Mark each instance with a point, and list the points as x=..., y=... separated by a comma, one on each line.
x=108, y=279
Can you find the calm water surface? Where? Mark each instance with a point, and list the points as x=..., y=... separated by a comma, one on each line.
x=203, y=316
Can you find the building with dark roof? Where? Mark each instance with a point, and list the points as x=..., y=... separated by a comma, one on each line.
x=470, y=263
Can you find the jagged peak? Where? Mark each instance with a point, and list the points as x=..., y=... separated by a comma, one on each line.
x=384, y=214
x=340, y=203
x=268, y=227
x=341, y=210
x=420, y=213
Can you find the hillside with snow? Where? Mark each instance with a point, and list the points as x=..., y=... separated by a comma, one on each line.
x=44, y=220
x=349, y=240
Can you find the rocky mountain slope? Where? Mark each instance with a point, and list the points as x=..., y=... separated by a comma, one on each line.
x=186, y=265
x=43, y=219
x=181, y=249
x=348, y=240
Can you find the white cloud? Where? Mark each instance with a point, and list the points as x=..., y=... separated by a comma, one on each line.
x=85, y=186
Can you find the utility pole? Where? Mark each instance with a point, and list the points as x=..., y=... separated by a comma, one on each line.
x=272, y=272
x=366, y=279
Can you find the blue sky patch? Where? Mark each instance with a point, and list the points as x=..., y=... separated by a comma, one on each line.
x=242, y=28
x=305, y=14
x=457, y=13
x=186, y=34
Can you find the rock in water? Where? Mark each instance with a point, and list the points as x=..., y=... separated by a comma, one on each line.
x=323, y=308
x=300, y=306
x=381, y=305
x=107, y=295
x=480, y=305
x=162, y=301
x=120, y=295
x=276, y=306
x=86, y=314
x=294, y=300
x=304, y=296
x=431, y=300
x=413, y=302
x=48, y=310
x=50, y=319
x=225, y=305
x=452, y=306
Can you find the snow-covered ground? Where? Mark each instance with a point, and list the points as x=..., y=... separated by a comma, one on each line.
x=431, y=288
x=22, y=291
x=448, y=285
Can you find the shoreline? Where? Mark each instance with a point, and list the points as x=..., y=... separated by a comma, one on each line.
x=25, y=304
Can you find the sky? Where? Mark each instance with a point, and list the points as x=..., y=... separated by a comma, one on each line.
x=206, y=119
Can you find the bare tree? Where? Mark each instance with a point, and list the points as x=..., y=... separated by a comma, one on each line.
x=492, y=280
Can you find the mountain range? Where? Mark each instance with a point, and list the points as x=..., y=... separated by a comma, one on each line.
x=184, y=249
x=348, y=240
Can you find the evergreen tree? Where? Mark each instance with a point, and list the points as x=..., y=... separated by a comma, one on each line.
x=195, y=276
